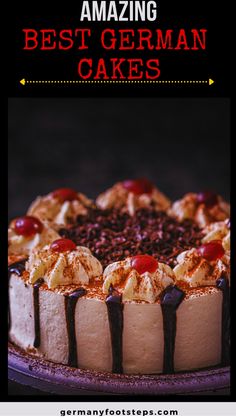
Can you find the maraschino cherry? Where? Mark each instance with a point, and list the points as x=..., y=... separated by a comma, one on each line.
x=27, y=226
x=144, y=263
x=138, y=186
x=65, y=194
x=62, y=245
x=211, y=251
x=210, y=199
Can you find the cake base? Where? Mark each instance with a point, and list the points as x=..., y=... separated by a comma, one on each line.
x=28, y=370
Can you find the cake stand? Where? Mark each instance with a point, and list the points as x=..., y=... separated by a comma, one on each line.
x=50, y=378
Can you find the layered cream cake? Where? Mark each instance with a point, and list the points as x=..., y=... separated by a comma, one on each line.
x=130, y=283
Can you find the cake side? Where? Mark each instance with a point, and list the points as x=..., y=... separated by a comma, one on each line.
x=143, y=334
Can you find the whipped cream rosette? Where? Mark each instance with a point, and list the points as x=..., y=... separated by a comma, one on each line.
x=203, y=266
x=131, y=195
x=204, y=208
x=218, y=231
x=60, y=207
x=27, y=233
x=140, y=277
x=63, y=263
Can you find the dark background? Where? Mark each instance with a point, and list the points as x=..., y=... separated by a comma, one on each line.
x=89, y=144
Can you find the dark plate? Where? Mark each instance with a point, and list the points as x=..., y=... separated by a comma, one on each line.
x=51, y=378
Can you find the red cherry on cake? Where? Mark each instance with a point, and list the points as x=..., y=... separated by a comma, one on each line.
x=65, y=194
x=62, y=245
x=138, y=186
x=27, y=226
x=211, y=251
x=208, y=198
x=144, y=263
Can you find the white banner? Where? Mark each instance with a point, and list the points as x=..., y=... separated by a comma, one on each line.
x=117, y=409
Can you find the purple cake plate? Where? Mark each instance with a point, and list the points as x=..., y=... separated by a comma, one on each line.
x=51, y=378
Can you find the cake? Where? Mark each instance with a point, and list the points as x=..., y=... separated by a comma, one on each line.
x=129, y=283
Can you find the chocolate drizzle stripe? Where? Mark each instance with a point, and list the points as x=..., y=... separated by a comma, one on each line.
x=170, y=301
x=223, y=285
x=16, y=268
x=36, y=287
x=70, y=305
x=115, y=316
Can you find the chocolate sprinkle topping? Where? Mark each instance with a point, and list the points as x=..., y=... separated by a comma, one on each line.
x=112, y=235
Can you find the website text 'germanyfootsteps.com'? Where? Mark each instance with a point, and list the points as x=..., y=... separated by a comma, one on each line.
x=119, y=412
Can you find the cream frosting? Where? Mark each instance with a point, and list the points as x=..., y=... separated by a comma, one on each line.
x=23, y=245
x=189, y=207
x=71, y=267
x=195, y=270
x=218, y=231
x=52, y=209
x=226, y=242
x=145, y=287
x=120, y=198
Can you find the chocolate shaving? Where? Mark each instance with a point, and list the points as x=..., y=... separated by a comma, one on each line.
x=112, y=235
